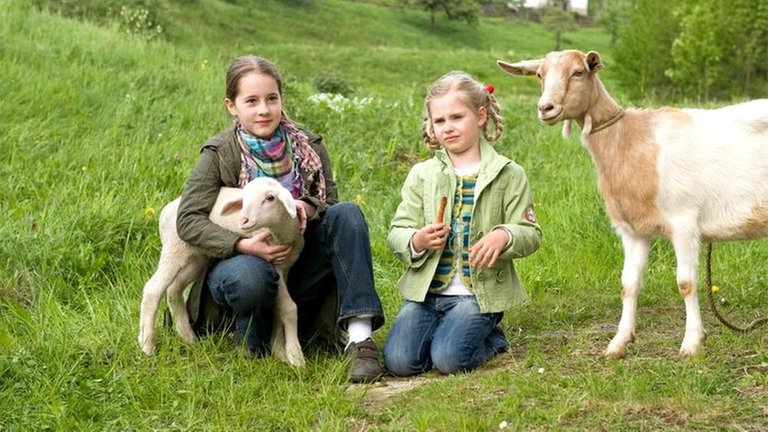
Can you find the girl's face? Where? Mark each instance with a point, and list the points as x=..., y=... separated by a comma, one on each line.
x=457, y=128
x=258, y=105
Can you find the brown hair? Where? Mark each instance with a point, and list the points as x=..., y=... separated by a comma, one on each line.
x=246, y=64
x=474, y=95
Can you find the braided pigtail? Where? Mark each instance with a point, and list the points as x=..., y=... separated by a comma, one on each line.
x=494, y=115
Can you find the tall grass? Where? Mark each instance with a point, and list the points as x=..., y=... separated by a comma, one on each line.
x=100, y=129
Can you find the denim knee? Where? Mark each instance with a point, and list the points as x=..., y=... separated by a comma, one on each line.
x=398, y=363
x=448, y=361
x=243, y=282
x=346, y=215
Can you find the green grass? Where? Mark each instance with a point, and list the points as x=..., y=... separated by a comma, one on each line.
x=97, y=127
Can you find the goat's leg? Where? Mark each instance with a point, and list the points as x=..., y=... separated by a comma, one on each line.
x=635, y=258
x=285, y=336
x=167, y=271
x=175, y=297
x=686, y=244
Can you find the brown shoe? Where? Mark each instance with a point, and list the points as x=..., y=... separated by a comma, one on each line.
x=364, y=366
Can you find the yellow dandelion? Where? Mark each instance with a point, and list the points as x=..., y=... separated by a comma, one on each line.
x=204, y=64
x=715, y=289
x=149, y=212
x=83, y=168
x=358, y=199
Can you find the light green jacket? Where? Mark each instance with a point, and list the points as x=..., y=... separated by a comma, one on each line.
x=503, y=199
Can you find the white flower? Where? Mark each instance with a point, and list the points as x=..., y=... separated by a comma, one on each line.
x=541, y=370
x=503, y=424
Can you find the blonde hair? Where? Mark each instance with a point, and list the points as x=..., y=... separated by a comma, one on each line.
x=472, y=93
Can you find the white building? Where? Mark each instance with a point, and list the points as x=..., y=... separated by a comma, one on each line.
x=578, y=6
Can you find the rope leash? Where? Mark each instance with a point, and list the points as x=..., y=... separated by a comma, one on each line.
x=758, y=321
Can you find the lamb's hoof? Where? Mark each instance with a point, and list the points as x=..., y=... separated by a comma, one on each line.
x=148, y=349
x=297, y=361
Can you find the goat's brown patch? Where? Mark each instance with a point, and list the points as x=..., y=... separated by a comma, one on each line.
x=627, y=176
x=685, y=288
x=756, y=224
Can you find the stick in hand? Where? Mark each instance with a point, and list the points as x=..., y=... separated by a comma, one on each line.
x=441, y=209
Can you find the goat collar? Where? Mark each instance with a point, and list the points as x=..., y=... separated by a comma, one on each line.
x=597, y=127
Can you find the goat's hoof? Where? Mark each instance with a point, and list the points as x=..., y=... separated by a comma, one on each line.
x=615, y=353
x=690, y=352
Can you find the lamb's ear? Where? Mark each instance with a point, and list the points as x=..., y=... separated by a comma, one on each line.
x=232, y=205
x=286, y=198
x=594, y=62
x=525, y=67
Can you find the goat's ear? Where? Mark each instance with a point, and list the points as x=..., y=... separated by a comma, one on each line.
x=525, y=67
x=286, y=198
x=593, y=61
x=232, y=205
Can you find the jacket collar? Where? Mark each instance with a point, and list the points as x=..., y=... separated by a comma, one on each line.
x=492, y=162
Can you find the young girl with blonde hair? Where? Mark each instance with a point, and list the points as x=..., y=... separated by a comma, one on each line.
x=460, y=273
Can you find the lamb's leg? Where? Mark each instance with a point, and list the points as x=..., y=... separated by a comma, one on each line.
x=285, y=335
x=167, y=272
x=635, y=258
x=686, y=244
x=175, y=296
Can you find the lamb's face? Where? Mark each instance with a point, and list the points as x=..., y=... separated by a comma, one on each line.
x=266, y=203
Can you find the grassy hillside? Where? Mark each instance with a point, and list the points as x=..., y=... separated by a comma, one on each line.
x=100, y=129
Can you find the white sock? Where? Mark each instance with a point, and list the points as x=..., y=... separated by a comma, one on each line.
x=359, y=329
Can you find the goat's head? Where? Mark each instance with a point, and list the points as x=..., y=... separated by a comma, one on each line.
x=264, y=202
x=568, y=83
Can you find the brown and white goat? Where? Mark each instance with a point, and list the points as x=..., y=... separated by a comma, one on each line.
x=693, y=176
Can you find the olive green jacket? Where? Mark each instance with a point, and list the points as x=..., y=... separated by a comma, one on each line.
x=503, y=199
x=219, y=166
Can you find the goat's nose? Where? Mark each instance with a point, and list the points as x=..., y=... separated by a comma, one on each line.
x=546, y=107
x=243, y=221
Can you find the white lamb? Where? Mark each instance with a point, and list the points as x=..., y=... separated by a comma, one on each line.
x=689, y=175
x=264, y=204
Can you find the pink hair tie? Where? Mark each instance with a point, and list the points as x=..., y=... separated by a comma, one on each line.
x=490, y=88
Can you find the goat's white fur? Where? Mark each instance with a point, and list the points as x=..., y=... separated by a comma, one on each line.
x=689, y=175
x=265, y=205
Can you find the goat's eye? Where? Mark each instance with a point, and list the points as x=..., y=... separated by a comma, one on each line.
x=270, y=197
x=578, y=73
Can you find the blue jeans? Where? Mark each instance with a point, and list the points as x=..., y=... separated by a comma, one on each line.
x=447, y=333
x=336, y=259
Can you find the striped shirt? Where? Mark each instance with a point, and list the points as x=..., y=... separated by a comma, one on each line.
x=456, y=252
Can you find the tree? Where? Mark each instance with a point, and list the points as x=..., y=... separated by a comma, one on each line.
x=722, y=49
x=702, y=49
x=614, y=16
x=467, y=10
x=643, y=50
x=556, y=19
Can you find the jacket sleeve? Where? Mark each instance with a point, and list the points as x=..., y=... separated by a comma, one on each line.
x=200, y=192
x=522, y=225
x=331, y=193
x=409, y=218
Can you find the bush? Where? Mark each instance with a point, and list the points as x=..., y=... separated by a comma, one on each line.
x=330, y=83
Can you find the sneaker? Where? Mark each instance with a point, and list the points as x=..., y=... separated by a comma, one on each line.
x=364, y=366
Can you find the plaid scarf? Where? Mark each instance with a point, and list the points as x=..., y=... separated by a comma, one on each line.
x=278, y=158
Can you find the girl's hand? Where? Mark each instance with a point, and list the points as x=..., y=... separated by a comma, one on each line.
x=487, y=250
x=430, y=237
x=305, y=211
x=259, y=246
